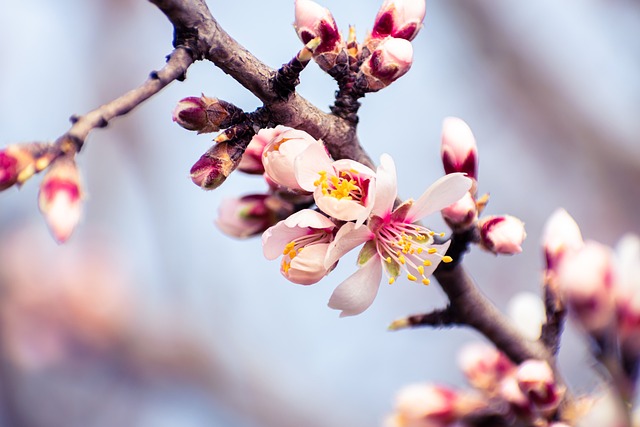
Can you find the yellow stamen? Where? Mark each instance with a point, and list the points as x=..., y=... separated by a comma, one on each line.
x=401, y=259
x=421, y=270
x=412, y=277
x=447, y=259
x=431, y=251
x=426, y=263
x=426, y=282
x=392, y=280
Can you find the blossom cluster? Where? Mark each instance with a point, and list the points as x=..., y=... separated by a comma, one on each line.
x=526, y=394
x=354, y=206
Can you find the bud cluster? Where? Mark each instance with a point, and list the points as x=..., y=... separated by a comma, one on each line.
x=500, y=234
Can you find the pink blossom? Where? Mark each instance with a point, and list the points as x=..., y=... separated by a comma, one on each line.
x=15, y=161
x=484, y=365
x=392, y=238
x=399, y=18
x=462, y=213
x=59, y=199
x=249, y=215
x=424, y=405
x=280, y=153
x=502, y=234
x=458, y=149
x=585, y=280
x=627, y=292
x=302, y=240
x=252, y=158
x=343, y=189
x=536, y=380
x=391, y=59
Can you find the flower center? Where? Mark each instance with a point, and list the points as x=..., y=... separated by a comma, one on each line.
x=408, y=247
x=348, y=185
x=295, y=246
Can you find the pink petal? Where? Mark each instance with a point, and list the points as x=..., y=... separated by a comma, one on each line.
x=342, y=209
x=308, y=163
x=307, y=267
x=309, y=218
x=347, y=238
x=357, y=292
x=275, y=238
x=442, y=193
x=386, y=187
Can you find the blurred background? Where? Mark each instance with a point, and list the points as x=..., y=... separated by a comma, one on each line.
x=151, y=317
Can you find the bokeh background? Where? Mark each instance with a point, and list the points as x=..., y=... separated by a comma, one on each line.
x=151, y=317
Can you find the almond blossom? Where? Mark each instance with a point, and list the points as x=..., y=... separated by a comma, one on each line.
x=393, y=239
x=343, y=189
x=302, y=240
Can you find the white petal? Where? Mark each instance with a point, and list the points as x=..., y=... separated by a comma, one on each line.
x=307, y=267
x=347, y=238
x=342, y=209
x=442, y=193
x=276, y=237
x=308, y=163
x=386, y=186
x=308, y=218
x=357, y=292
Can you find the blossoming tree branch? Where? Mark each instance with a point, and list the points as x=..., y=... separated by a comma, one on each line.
x=326, y=197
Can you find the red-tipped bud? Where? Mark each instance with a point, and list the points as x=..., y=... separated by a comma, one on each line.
x=401, y=19
x=461, y=214
x=502, y=234
x=60, y=198
x=536, y=381
x=458, y=150
x=387, y=63
x=17, y=164
x=213, y=168
x=431, y=404
x=561, y=235
x=251, y=215
x=585, y=281
x=484, y=366
x=314, y=21
x=204, y=114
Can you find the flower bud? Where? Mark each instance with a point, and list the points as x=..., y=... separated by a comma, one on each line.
x=401, y=19
x=251, y=214
x=484, y=365
x=16, y=165
x=204, y=114
x=561, y=235
x=280, y=154
x=60, y=197
x=387, y=63
x=585, y=283
x=627, y=294
x=536, y=381
x=213, y=168
x=461, y=214
x=502, y=234
x=458, y=149
x=431, y=404
x=313, y=20
x=251, y=162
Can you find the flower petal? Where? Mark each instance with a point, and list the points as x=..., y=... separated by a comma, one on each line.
x=442, y=193
x=275, y=238
x=357, y=292
x=307, y=267
x=347, y=238
x=386, y=187
x=308, y=163
x=309, y=218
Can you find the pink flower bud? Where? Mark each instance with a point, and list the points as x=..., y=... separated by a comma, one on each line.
x=401, y=19
x=251, y=162
x=14, y=160
x=60, y=198
x=585, y=283
x=213, y=168
x=484, y=366
x=561, y=235
x=502, y=234
x=251, y=214
x=459, y=151
x=313, y=20
x=387, y=63
x=280, y=154
x=204, y=114
x=431, y=404
x=462, y=213
x=627, y=294
x=535, y=379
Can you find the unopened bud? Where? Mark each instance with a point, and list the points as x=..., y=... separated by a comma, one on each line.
x=60, y=198
x=627, y=295
x=401, y=19
x=536, y=381
x=387, y=63
x=314, y=21
x=204, y=114
x=461, y=214
x=426, y=402
x=458, y=149
x=213, y=168
x=585, y=281
x=251, y=214
x=502, y=234
x=561, y=235
x=17, y=164
x=484, y=365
